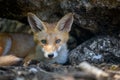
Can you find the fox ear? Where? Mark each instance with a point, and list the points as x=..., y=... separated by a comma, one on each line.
x=35, y=23
x=65, y=23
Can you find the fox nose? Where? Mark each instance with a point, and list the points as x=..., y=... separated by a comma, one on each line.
x=51, y=55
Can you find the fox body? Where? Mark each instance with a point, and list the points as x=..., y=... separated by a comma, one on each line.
x=47, y=44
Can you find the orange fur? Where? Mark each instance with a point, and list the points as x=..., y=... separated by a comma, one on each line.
x=9, y=60
x=15, y=46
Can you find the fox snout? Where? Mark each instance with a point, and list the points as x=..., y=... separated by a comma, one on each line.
x=51, y=55
x=50, y=52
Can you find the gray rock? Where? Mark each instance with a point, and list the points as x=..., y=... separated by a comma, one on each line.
x=96, y=50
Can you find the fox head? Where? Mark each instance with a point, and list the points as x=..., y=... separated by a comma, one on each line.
x=51, y=36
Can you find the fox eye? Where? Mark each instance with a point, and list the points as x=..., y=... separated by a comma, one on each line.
x=44, y=41
x=58, y=41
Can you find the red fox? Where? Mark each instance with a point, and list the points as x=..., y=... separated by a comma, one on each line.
x=47, y=44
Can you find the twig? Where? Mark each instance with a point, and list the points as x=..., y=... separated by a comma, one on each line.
x=99, y=74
